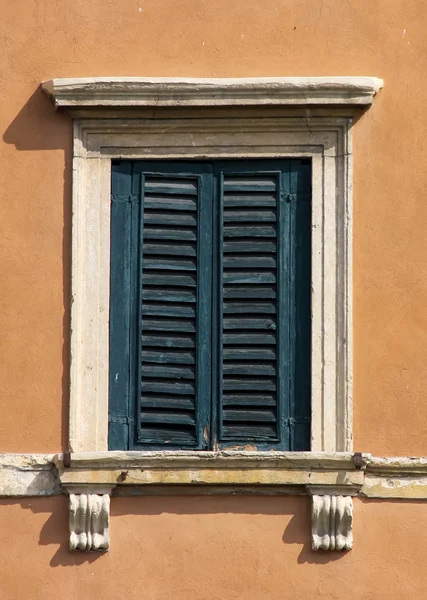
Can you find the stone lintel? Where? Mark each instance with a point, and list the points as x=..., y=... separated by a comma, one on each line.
x=166, y=92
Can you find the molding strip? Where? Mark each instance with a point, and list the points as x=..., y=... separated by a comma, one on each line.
x=231, y=468
x=26, y=475
x=160, y=92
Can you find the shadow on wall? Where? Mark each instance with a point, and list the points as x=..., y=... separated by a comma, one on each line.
x=297, y=531
x=55, y=529
x=38, y=126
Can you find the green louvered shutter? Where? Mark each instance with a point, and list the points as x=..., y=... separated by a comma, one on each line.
x=170, y=329
x=210, y=305
x=264, y=300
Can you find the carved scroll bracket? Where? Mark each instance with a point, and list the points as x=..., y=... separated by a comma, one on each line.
x=332, y=518
x=89, y=518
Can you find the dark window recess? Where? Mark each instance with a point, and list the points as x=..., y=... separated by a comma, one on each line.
x=210, y=305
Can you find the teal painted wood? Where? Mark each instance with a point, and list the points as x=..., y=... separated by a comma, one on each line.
x=247, y=379
x=173, y=379
x=220, y=324
x=120, y=306
x=301, y=241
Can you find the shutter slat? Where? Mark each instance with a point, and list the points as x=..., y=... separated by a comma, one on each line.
x=245, y=353
x=250, y=262
x=250, y=277
x=169, y=325
x=177, y=403
x=254, y=416
x=167, y=416
x=169, y=234
x=239, y=323
x=168, y=279
x=170, y=264
x=174, y=203
x=248, y=232
x=167, y=340
x=167, y=372
x=168, y=218
x=265, y=384
x=167, y=433
x=249, y=339
x=249, y=184
x=249, y=308
x=249, y=400
x=249, y=216
x=257, y=200
x=168, y=310
x=168, y=387
x=242, y=293
x=251, y=246
x=173, y=358
x=168, y=295
x=170, y=186
x=234, y=368
x=172, y=249
x=258, y=432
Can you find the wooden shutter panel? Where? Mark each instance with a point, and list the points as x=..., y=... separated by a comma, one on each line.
x=170, y=326
x=174, y=358
x=262, y=233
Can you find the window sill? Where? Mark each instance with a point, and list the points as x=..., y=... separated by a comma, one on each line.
x=330, y=479
x=291, y=471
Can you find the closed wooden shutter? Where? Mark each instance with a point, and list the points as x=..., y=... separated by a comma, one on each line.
x=264, y=304
x=210, y=305
x=172, y=320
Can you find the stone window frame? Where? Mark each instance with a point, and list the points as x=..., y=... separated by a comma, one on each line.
x=137, y=118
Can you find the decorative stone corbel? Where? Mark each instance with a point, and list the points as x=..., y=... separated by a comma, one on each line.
x=89, y=519
x=331, y=518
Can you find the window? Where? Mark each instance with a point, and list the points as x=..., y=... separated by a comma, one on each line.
x=210, y=317
x=210, y=120
x=298, y=129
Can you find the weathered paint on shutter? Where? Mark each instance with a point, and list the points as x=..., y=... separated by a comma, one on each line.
x=124, y=213
x=297, y=183
x=264, y=249
x=163, y=274
x=172, y=320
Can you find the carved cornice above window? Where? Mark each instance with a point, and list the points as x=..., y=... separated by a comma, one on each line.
x=108, y=92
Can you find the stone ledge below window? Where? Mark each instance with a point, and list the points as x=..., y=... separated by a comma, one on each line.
x=331, y=480
x=225, y=468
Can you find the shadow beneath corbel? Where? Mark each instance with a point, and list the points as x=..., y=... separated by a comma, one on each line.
x=54, y=531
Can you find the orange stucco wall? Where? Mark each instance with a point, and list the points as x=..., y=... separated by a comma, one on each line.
x=222, y=548
x=40, y=40
x=212, y=548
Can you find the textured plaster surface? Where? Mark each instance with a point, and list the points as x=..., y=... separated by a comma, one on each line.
x=212, y=548
x=260, y=546
x=221, y=39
